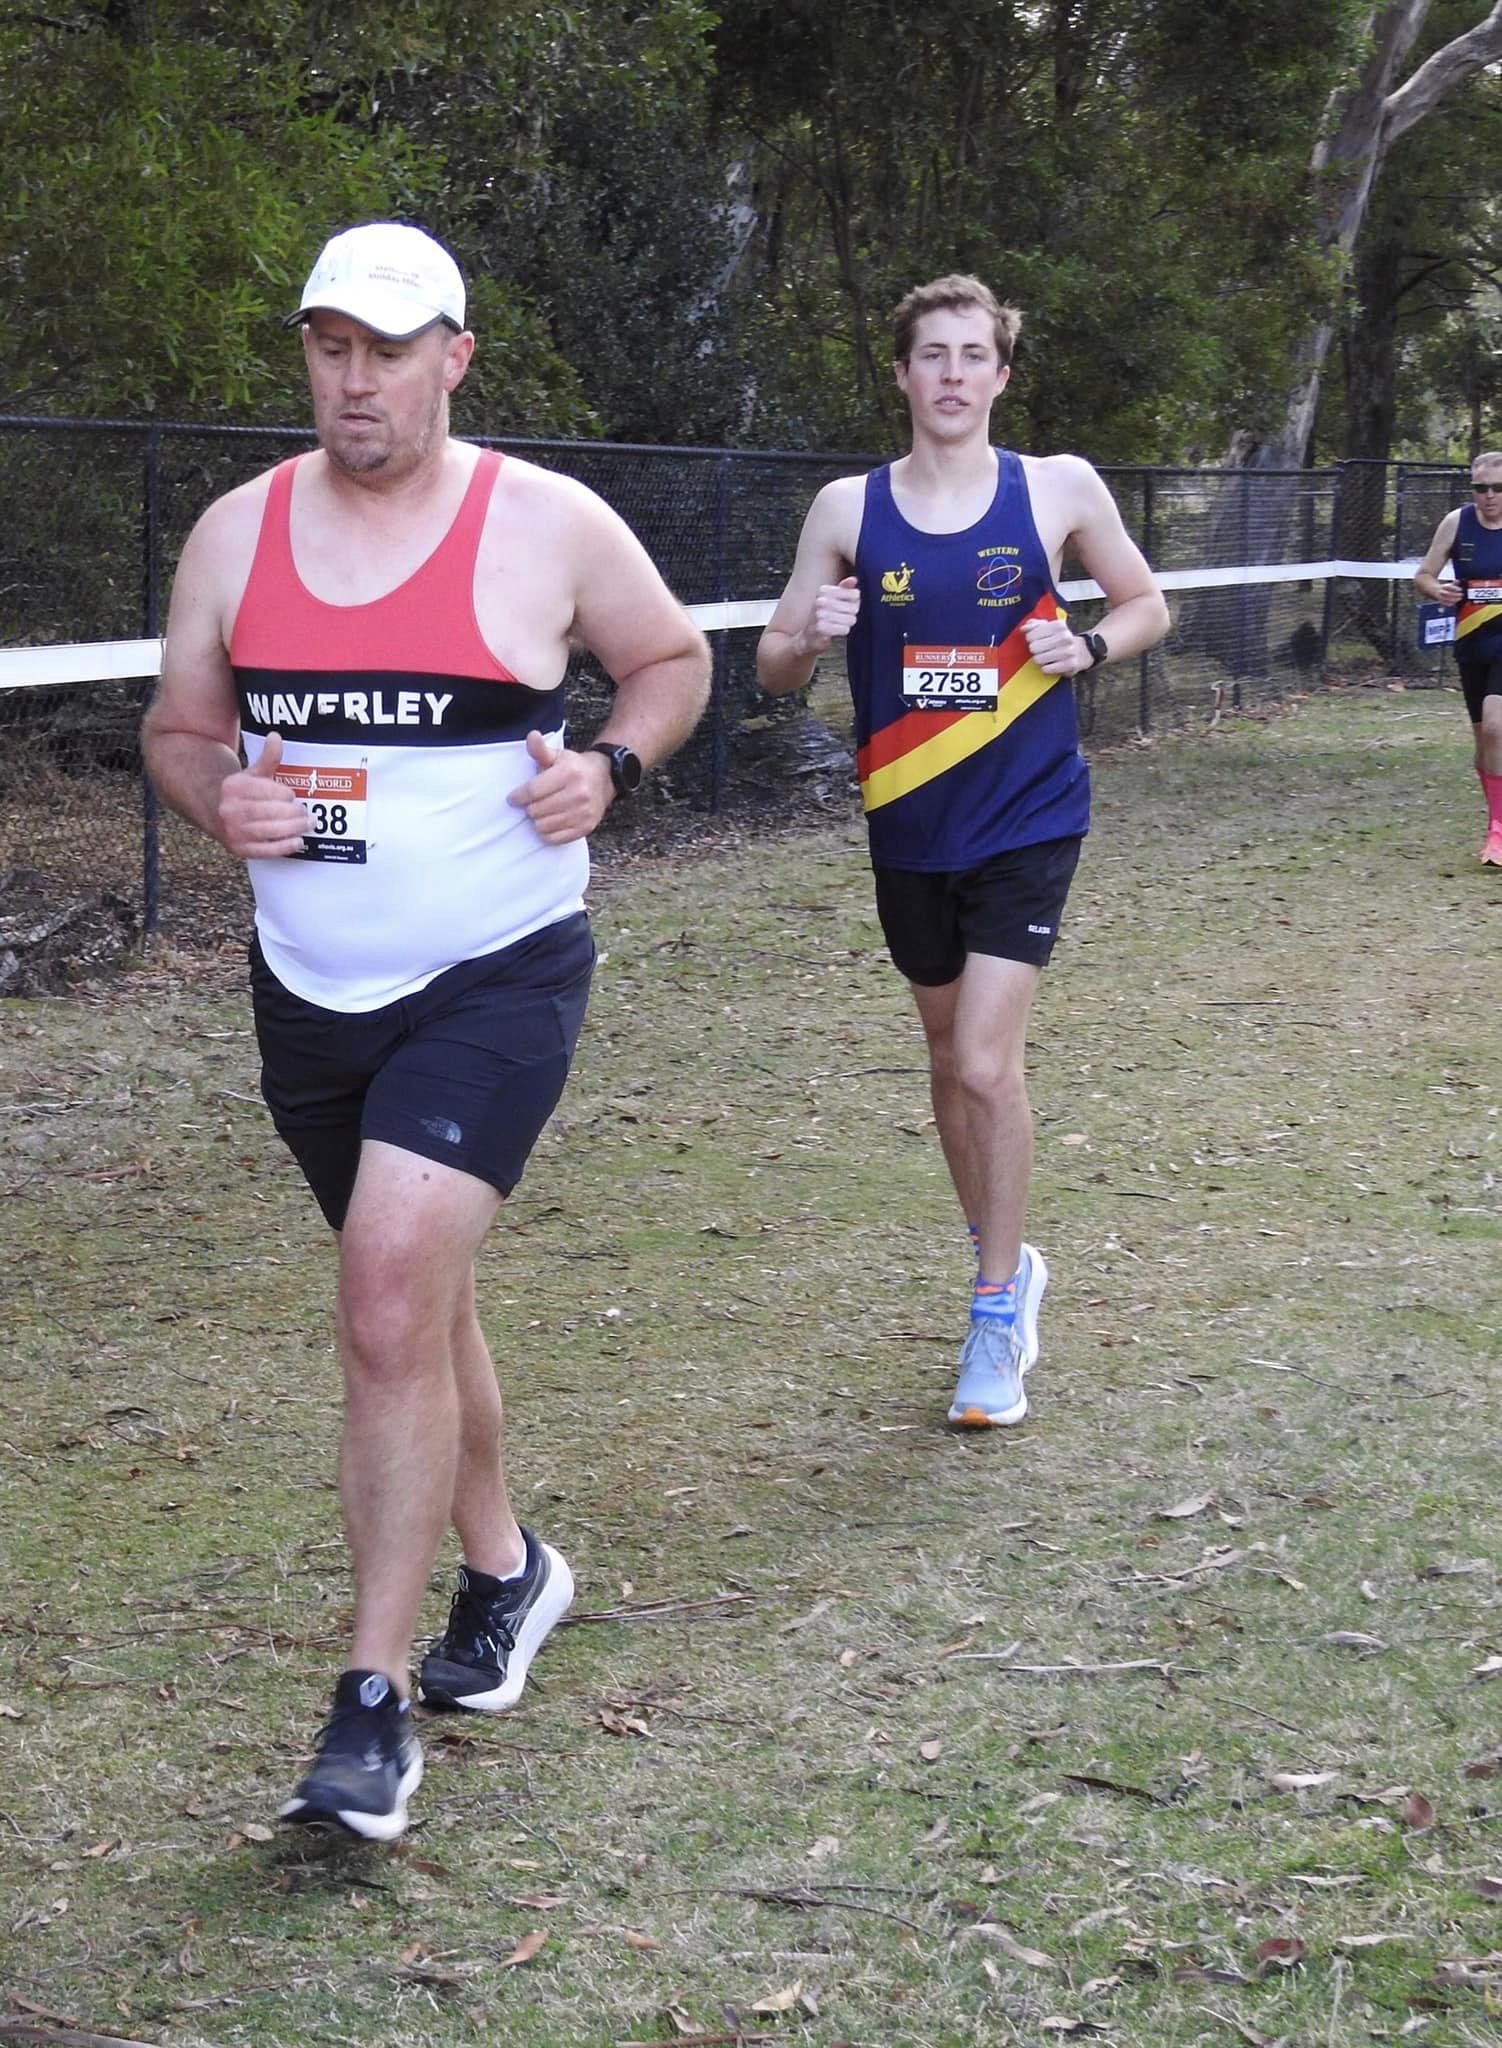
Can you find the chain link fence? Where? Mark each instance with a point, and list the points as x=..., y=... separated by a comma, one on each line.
x=98, y=512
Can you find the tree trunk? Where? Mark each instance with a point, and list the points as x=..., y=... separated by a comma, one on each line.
x=1363, y=118
x=1370, y=347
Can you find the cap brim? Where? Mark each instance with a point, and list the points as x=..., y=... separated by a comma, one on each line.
x=389, y=317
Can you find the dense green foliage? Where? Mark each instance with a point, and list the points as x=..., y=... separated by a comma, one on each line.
x=684, y=225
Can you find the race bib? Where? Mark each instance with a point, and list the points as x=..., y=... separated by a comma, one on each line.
x=951, y=678
x=334, y=799
x=1484, y=593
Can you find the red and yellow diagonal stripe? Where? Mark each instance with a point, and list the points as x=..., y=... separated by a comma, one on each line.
x=1470, y=617
x=919, y=745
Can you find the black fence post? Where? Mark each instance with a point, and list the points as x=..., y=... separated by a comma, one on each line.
x=1144, y=684
x=719, y=688
x=151, y=549
x=1337, y=528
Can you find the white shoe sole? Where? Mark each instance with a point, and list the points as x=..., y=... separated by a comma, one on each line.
x=1029, y=1304
x=370, y=1827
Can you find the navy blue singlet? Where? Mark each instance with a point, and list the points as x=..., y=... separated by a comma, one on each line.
x=1477, y=560
x=945, y=787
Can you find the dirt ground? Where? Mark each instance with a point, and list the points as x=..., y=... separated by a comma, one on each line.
x=1168, y=1718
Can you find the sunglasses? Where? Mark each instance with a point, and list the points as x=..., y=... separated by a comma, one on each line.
x=1485, y=490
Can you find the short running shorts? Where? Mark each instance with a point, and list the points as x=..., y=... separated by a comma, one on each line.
x=467, y=1071
x=1009, y=906
x=1480, y=678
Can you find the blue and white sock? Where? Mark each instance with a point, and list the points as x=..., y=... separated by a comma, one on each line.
x=994, y=1300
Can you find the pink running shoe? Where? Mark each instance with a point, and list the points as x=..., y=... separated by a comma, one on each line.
x=1490, y=855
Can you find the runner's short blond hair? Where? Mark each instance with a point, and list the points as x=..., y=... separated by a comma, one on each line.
x=947, y=294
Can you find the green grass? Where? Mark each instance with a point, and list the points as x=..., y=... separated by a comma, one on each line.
x=789, y=1751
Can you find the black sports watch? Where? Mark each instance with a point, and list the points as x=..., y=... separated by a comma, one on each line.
x=625, y=767
x=1100, y=654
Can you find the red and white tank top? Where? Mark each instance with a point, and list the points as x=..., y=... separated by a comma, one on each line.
x=404, y=736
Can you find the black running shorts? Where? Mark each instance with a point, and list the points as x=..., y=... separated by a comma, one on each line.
x=1010, y=906
x=466, y=1071
x=1479, y=679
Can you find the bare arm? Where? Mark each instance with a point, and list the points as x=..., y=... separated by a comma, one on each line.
x=1427, y=580
x=190, y=739
x=649, y=647
x=821, y=601
x=1137, y=615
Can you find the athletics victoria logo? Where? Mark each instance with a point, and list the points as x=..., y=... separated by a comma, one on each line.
x=897, y=585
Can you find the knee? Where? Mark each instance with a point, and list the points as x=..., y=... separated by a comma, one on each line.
x=990, y=1078
x=389, y=1324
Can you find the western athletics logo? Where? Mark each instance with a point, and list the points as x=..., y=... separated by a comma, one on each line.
x=995, y=579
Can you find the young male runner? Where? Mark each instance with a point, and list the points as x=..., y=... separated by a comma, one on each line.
x=940, y=570
x=1469, y=541
x=383, y=625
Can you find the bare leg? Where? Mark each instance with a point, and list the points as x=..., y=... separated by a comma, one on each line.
x=406, y=1301
x=1488, y=730
x=976, y=1028
x=488, y=1534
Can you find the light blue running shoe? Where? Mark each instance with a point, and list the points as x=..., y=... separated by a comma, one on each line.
x=998, y=1356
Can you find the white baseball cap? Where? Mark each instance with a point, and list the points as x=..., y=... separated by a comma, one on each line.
x=394, y=280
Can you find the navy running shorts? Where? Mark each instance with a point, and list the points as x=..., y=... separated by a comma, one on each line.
x=1479, y=679
x=467, y=1071
x=1009, y=906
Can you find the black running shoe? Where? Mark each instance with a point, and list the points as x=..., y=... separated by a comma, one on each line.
x=495, y=1629
x=368, y=1763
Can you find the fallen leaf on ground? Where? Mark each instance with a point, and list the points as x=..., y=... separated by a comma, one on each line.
x=621, y=1724
x=526, y=1948
x=641, y=1941
x=1004, y=1939
x=1354, y=1639
x=1278, y=1952
x=1417, y=1811
x=930, y=1751
x=780, y=2001
x=1300, y=1781
x=1488, y=1888
x=1183, y=1509
x=1364, y=1940
x=1248, y=2034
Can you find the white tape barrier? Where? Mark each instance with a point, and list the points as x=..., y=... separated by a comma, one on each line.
x=108, y=661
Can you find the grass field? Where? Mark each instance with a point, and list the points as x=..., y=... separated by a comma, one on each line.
x=1172, y=1717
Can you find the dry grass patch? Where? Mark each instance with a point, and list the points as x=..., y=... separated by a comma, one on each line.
x=1170, y=1718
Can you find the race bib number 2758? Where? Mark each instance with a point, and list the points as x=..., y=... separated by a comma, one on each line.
x=951, y=678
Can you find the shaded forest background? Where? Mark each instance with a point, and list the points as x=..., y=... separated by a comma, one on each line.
x=1259, y=230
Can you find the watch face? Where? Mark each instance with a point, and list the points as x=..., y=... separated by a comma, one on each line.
x=626, y=767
